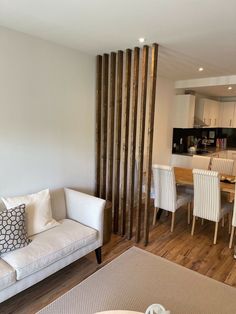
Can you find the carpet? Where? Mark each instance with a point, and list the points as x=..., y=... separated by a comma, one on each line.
x=136, y=279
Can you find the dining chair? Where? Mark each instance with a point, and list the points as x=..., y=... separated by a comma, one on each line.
x=201, y=162
x=167, y=196
x=223, y=166
x=233, y=224
x=208, y=202
x=144, y=179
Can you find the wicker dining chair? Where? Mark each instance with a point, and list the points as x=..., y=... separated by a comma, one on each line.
x=167, y=196
x=208, y=201
x=222, y=165
x=201, y=162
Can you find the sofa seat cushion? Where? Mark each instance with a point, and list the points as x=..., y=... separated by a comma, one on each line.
x=7, y=275
x=50, y=246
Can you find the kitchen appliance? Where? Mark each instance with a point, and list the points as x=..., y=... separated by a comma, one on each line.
x=198, y=123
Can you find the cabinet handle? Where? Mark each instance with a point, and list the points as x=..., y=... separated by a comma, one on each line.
x=215, y=121
x=230, y=122
x=209, y=121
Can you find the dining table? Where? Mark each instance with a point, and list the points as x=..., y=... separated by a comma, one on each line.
x=185, y=176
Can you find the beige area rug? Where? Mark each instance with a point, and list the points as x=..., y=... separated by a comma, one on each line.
x=137, y=279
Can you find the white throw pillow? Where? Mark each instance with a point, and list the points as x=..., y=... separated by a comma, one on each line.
x=38, y=211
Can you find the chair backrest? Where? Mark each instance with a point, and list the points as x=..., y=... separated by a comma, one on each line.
x=234, y=215
x=224, y=166
x=234, y=212
x=164, y=187
x=201, y=162
x=207, y=197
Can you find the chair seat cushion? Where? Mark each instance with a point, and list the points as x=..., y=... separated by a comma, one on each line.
x=50, y=246
x=7, y=275
x=183, y=197
x=188, y=189
x=226, y=207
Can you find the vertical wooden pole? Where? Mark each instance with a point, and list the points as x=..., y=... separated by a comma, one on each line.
x=117, y=142
x=141, y=140
x=104, y=125
x=111, y=124
x=133, y=130
x=125, y=141
x=98, y=123
x=150, y=128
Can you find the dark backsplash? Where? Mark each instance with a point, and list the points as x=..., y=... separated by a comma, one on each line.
x=230, y=134
x=178, y=134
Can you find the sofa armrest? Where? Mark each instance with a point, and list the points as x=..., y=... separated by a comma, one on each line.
x=86, y=209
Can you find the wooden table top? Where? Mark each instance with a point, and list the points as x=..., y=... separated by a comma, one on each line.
x=185, y=176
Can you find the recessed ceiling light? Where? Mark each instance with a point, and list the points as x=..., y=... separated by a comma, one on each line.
x=141, y=40
x=230, y=87
x=200, y=69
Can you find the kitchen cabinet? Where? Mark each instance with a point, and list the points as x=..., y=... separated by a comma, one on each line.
x=223, y=154
x=214, y=155
x=214, y=113
x=208, y=111
x=183, y=113
x=227, y=114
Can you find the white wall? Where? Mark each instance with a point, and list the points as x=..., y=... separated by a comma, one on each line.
x=162, y=145
x=47, y=116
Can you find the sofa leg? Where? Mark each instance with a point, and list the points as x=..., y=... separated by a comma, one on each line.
x=98, y=253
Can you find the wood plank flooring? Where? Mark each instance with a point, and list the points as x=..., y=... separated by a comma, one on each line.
x=196, y=253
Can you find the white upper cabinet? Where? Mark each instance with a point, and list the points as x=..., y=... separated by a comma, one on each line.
x=227, y=114
x=183, y=113
x=208, y=111
x=214, y=114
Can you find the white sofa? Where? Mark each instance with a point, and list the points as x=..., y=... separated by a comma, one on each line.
x=80, y=232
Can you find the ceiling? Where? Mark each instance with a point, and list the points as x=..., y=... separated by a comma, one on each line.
x=216, y=91
x=191, y=33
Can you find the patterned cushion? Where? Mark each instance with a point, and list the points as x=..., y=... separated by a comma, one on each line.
x=13, y=233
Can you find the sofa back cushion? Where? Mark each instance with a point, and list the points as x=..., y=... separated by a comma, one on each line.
x=38, y=210
x=57, y=202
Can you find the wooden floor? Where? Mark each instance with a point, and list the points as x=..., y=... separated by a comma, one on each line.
x=197, y=253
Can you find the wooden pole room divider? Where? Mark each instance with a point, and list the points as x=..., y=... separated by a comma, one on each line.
x=125, y=109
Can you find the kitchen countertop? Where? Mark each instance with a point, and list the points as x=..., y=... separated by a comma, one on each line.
x=210, y=150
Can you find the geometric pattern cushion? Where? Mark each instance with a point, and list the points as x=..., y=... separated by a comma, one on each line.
x=13, y=233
